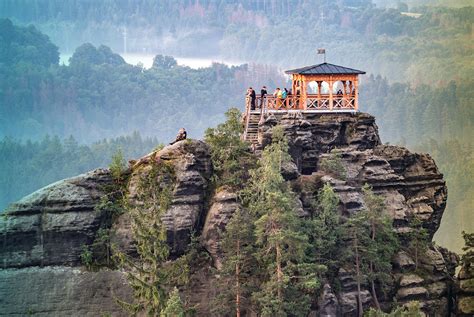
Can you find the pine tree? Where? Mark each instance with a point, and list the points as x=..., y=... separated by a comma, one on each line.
x=174, y=306
x=153, y=274
x=288, y=277
x=419, y=239
x=358, y=235
x=238, y=268
x=229, y=152
x=384, y=242
x=327, y=229
x=372, y=245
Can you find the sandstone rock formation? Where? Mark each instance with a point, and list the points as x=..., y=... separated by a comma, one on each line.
x=192, y=166
x=43, y=233
x=465, y=300
x=223, y=206
x=49, y=226
x=409, y=182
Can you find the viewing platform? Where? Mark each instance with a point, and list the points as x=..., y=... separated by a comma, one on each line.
x=321, y=88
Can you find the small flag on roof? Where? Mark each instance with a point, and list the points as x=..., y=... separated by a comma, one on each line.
x=321, y=51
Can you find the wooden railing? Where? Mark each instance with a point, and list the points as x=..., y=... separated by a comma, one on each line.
x=309, y=102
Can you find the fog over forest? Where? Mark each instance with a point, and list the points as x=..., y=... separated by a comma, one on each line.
x=59, y=120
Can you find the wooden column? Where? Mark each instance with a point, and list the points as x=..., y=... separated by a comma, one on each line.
x=320, y=85
x=356, y=94
x=344, y=92
x=293, y=84
x=331, y=100
x=303, y=95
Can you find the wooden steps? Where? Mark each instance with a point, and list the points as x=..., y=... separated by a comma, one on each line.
x=251, y=130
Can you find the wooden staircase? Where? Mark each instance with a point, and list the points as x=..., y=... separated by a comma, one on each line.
x=251, y=128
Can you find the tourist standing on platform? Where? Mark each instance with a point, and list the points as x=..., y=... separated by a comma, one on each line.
x=263, y=94
x=278, y=95
x=253, y=98
x=247, y=98
x=284, y=94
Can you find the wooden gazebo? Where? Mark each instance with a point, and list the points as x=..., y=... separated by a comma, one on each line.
x=322, y=88
x=335, y=88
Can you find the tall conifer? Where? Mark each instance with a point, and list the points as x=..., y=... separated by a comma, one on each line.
x=288, y=276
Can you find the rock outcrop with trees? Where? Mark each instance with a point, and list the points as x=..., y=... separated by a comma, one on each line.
x=321, y=219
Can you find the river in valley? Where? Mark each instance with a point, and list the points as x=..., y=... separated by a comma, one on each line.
x=147, y=60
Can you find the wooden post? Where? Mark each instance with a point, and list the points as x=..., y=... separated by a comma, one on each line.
x=320, y=85
x=331, y=100
x=344, y=92
x=356, y=94
x=293, y=84
x=303, y=95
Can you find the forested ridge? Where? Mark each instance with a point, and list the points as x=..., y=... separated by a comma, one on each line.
x=100, y=96
x=433, y=48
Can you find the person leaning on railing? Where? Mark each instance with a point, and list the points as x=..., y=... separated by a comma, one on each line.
x=253, y=97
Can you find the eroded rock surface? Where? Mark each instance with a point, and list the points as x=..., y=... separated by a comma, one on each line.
x=44, y=233
x=410, y=184
x=62, y=291
x=223, y=206
x=465, y=300
x=190, y=162
x=50, y=226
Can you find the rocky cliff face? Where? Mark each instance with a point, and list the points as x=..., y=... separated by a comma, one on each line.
x=465, y=283
x=43, y=234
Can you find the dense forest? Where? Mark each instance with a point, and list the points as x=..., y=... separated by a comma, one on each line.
x=27, y=166
x=431, y=46
x=99, y=95
x=419, y=83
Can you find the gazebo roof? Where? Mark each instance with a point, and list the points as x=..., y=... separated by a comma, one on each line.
x=324, y=69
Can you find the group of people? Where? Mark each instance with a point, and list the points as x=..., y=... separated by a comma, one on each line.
x=280, y=94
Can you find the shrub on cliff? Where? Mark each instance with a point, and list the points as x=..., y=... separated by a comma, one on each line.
x=467, y=258
x=230, y=154
x=333, y=165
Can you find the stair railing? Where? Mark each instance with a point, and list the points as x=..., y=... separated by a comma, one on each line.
x=247, y=116
x=263, y=108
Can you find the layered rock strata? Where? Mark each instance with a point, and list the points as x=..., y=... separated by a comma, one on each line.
x=43, y=234
x=410, y=184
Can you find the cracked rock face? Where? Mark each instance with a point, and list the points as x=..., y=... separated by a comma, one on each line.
x=43, y=233
x=62, y=291
x=465, y=291
x=410, y=184
x=191, y=163
x=223, y=206
x=50, y=226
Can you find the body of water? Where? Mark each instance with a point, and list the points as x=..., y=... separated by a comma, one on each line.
x=147, y=60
